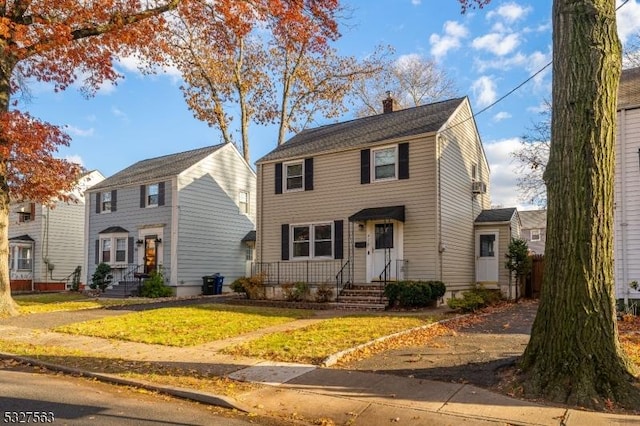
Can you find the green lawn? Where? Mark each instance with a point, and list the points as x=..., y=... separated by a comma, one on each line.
x=185, y=326
x=314, y=343
x=67, y=301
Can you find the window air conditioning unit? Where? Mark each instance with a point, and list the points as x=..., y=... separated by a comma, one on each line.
x=479, y=187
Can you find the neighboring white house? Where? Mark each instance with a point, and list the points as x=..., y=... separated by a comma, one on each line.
x=385, y=197
x=186, y=214
x=46, y=245
x=627, y=186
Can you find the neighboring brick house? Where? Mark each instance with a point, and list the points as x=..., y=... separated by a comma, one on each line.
x=390, y=196
x=46, y=245
x=185, y=214
x=534, y=229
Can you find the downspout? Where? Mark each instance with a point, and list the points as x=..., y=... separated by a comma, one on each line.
x=259, y=238
x=623, y=211
x=441, y=245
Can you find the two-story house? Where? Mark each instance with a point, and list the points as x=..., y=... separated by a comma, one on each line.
x=185, y=214
x=627, y=187
x=390, y=196
x=46, y=243
x=534, y=229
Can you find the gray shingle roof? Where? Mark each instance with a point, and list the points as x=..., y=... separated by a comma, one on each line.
x=363, y=131
x=496, y=215
x=156, y=168
x=629, y=90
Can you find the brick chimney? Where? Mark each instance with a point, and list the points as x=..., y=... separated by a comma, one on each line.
x=387, y=104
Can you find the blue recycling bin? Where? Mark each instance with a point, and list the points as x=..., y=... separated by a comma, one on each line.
x=218, y=280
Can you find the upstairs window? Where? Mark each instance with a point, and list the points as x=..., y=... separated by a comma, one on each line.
x=384, y=163
x=294, y=176
x=535, y=235
x=24, y=217
x=105, y=202
x=243, y=202
x=152, y=195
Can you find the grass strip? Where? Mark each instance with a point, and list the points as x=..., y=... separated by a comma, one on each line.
x=314, y=343
x=54, y=302
x=185, y=326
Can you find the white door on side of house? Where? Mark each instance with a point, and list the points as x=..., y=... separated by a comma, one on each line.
x=487, y=262
x=384, y=249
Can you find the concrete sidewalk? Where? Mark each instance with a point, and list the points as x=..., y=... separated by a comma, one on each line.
x=307, y=393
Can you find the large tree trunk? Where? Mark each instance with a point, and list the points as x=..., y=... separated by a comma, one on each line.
x=7, y=306
x=574, y=355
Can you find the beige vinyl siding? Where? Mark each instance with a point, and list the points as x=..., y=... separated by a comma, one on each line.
x=210, y=224
x=627, y=203
x=338, y=194
x=459, y=150
x=62, y=240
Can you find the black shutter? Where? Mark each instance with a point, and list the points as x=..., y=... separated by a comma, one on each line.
x=114, y=200
x=161, y=194
x=130, y=250
x=143, y=193
x=338, y=240
x=98, y=202
x=278, y=178
x=403, y=161
x=285, y=242
x=97, y=252
x=365, y=166
x=308, y=174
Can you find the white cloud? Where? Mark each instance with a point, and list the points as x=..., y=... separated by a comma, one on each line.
x=416, y=2
x=498, y=44
x=450, y=40
x=134, y=65
x=504, y=177
x=502, y=115
x=628, y=19
x=75, y=159
x=484, y=90
x=510, y=12
x=76, y=131
x=117, y=112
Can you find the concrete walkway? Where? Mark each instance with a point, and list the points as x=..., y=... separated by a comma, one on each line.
x=307, y=393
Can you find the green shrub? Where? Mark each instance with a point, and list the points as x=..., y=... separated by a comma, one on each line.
x=252, y=286
x=154, y=286
x=297, y=292
x=410, y=294
x=75, y=279
x=102, y=277
x=474, y=299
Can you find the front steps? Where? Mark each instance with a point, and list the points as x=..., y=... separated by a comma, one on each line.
x=364, y=296
x=122, y=289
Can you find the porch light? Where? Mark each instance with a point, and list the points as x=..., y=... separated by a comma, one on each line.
x=158, y=240
x=139, y=242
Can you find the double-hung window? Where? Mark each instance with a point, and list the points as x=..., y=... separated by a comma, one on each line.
x=113, y=248
x=312, y=241
x=105, y=202
x=24, y=258
x=121, y=249
x=152, y=195
x=385, y=162
x=294, y=173
x=535, y=235
x=243, y=202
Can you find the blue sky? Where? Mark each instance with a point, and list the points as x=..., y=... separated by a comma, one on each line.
x=487, y=52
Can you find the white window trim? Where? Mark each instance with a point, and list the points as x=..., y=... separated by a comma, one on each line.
x=311, y=227
x=102, y=202
x=285, y=180
x=373, y=163
x=538, y=234
x=112, y=254
x=147, y=195
x=15, y=259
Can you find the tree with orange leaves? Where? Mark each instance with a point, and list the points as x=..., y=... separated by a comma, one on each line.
x=574, y=354
x=67, y=41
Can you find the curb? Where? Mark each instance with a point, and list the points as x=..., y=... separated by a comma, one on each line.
x=202, y=397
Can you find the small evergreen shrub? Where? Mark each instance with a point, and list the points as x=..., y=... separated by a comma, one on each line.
x=476, y=298
x=412, y=294
x=154, y=286
x=102, y=277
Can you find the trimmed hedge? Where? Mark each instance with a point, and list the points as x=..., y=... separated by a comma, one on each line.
x=414, y=294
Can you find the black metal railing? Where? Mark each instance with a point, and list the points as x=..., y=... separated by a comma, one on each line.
x=308, y=271
x=340, y=279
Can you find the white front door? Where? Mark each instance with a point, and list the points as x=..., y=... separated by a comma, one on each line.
x=384, y=249
x=487, y=262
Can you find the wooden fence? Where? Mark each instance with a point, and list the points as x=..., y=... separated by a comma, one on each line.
x=533, y=284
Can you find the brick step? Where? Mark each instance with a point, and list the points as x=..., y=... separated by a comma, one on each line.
x=362, y=293
x=121, y=290
x=361, y=306
x=375, y=298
